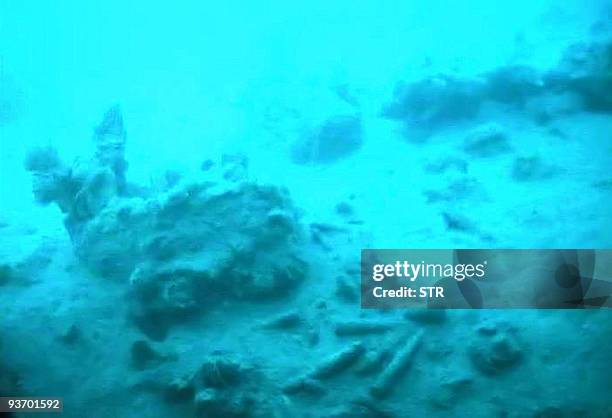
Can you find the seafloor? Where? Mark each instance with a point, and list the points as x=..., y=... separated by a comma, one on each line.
x=185, y=194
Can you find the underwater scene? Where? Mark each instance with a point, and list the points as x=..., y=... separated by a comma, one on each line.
x=190, y=190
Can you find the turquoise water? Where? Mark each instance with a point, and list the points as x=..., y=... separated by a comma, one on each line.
x=186, y=189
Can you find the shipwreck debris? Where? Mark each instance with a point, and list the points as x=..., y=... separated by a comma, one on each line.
x=397, y=368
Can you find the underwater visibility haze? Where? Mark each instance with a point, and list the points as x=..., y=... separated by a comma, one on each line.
x=186, y=189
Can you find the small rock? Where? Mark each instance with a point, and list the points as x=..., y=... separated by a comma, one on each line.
x=464, y=188
x=221, y=373
x=313, y=336
x=7, y=273
x=531, y=169
x=457, y=222
x=487, y=328
x=334, y=139
x=493, y=353
x=71, y=336
x=344, y=209
x=235, y=167
x=487, y=141
x=211, y=403
x=180, y=390
x=207, y=165
x=451, y=391
x=284, y=321
x=346, y=291
x=320, y=304
x=449, y=163
x=143, y=356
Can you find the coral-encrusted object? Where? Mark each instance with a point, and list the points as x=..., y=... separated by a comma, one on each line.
x=183, y=248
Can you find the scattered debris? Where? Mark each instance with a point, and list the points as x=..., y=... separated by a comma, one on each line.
x=445, y=164
x=336, y=138
x=495, y=349
x=346, y=291
x=180, y=390
x=144, y=356
x=326, y=228
x=431, y=103
x=463, y=188
x=338, y=362
x=397, y=368
x=72, y=335
x=7, y=273
x=375, y=360
x=284, y=321
x=488, y=140
x=235, y=167
x=219, y=373
x=450, y=391
x=226, y=388
x=580, y=82
x=532, y=169
x=207, y=164
x=365, y=407
x=345, y=209
x=586, y=71
x=459, y=222
x=304, y=386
